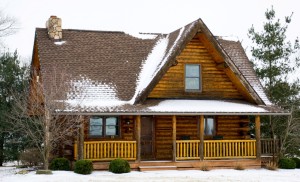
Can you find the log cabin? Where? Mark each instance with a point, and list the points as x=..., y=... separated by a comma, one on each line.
x=180, y=100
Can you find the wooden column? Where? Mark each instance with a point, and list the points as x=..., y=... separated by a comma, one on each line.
x=80, y=139
x=201, y=133
x=174, y=137
x=138, y=137
x=257, y=137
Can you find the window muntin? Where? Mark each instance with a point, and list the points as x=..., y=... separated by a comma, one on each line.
x=104, y=126
x=209, y=126
x=192, y=77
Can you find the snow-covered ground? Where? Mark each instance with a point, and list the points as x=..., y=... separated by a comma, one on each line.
x=7, y=174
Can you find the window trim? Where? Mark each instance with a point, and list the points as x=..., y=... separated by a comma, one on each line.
x=200, y=79
x=104, y=127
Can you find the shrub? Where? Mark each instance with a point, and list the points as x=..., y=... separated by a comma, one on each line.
x=286, y=163
x=297, y=161
x=31, y=157
x=83, y=167
x=119, y=166
x=60, y=164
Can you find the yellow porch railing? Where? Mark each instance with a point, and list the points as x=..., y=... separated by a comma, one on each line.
x=215, y=149
x=187, y=149
x=220, y=149
x=108, y=150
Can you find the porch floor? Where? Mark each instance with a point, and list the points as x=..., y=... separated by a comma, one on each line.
x=187, y=165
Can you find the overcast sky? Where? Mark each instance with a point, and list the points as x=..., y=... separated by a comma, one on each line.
x=230, y=18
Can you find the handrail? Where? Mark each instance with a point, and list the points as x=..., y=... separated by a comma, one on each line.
x=221, y=149
x=108, y=150
x=187, y=149
x=215, y=149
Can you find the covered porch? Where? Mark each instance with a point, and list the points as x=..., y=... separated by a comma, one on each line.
x=177, y=148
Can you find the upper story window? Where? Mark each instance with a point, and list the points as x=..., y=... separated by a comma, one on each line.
x=101, y=126
x=193, y=77
x=209, y=126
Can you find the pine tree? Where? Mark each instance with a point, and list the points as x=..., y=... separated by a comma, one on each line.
x=275, y=60
x=12, y=77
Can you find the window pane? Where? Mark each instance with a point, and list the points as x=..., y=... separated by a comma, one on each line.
x=209, y=126
x=111, y=121
x=192, y=71
x=111, y=130
x=111, y=126
x=96, y=126
x=192, y=84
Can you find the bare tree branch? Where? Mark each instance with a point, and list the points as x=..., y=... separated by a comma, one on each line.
x=8, y=25
x=36, y=113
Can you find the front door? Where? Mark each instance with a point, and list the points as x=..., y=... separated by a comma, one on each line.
x=147, y=138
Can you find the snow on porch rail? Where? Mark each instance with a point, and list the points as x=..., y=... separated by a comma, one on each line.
x=108, y=150
x=215, y=149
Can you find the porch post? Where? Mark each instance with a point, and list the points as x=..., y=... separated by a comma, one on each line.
x=174, y=137
x=257, y=137
x=138, y=137
x=201, y=133
x=80, y=139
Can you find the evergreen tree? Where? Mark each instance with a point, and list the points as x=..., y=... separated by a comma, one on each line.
x=275, y=60
x=12, y=77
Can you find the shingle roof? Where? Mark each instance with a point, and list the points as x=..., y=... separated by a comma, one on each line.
x=110, y=71
x=237, y=54
x=95, y=59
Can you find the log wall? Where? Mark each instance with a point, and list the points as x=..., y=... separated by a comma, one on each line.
x=215, y=83
x=233, y=127
x=163, y=137
x=187, y=128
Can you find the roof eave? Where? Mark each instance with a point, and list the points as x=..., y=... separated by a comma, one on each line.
x=178, y=113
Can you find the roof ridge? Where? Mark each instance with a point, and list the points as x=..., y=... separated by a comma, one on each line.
x=84, y=30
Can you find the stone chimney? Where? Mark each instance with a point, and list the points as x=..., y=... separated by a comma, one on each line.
x=54, y=28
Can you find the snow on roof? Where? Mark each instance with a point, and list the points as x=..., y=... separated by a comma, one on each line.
x=88, y=93
x=60, y=42
x=155, y=61
x=204, y=106
x=142, y=35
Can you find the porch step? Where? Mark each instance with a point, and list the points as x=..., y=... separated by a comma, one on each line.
x=155, y=168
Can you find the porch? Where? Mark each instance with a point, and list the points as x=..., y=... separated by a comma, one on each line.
x=181, y=152
x=185, y=150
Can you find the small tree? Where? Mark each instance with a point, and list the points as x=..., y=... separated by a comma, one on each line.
x=275, y=59
x=37, y=113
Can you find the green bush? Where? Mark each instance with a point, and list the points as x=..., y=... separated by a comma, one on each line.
x=297, y=161
x=286, y=163
x=60, y=164
x=119, y=166
x=83, y=167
